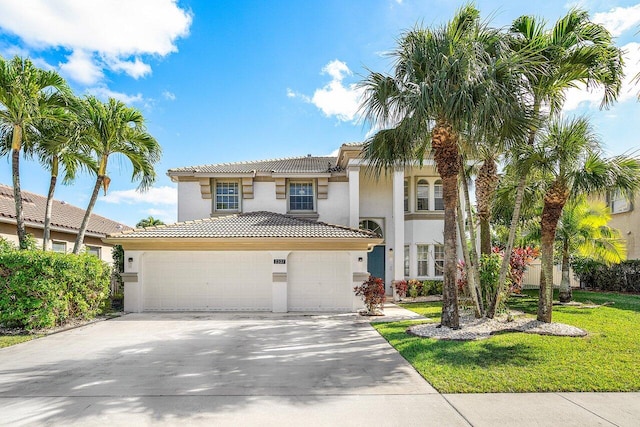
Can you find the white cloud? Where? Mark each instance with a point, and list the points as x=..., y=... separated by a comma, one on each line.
x=169, y=95
x=135, y=68
x=111, y=34
x=155, y=196
x=577, y=96
x=619, y=19
x=105, y=93
x=336, y=99
x=81, y=67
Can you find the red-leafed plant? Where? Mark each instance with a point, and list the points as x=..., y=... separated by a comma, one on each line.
x=520, y=259
x=372, y=292
x=401, y=288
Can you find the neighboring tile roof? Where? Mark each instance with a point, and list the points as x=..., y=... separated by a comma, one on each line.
x=251, y=225
x=306, y=164
x=63, y=215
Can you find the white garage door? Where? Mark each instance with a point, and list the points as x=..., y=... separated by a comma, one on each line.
x=319, y=281
x=202, y=281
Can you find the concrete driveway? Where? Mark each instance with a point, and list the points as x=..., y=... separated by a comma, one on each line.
x=217, y=369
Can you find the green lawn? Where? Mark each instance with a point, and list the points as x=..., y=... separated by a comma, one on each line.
x=8, y=340
x=608, y=359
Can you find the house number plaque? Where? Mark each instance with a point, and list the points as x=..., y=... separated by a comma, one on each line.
x=279, y=261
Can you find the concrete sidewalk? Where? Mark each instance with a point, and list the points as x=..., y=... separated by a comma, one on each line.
x=257, y=369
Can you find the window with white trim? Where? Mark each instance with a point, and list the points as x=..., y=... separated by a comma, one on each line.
x=301, y=196
x=406, y=195
x=438, y=256
x=422, y=195
x=438, y=202
x=227, y=196
x=94, y=250
x=617, y=202
x=406, y=261
x=59, y=247
x=423, y=260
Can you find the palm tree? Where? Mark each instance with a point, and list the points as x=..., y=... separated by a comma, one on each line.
x=569, y=153
x=114, y=128
x=575, y=51
x=149, y=222
x=447, y=85
x=28, y=96
x=58, y=146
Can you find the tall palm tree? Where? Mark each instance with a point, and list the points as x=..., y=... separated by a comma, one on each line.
x=576, y=52
x=59, y=148
x=28, y=96
x=447, y=84
x=113, y=128
x=569, y=153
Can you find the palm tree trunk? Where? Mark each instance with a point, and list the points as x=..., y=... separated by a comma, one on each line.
x=506, y=260
x=444, y=143
x=46, y=233
x=486, y=183
x=87, y=215
x=17, y=192
x=473, y=262
x=565, y=284
x=468, y=265
x=554, y=201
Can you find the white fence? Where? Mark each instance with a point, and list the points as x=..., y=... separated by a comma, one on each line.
x=531, y=279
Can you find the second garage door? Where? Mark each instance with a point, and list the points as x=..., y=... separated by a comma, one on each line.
x=207, y=280
x=319, y=281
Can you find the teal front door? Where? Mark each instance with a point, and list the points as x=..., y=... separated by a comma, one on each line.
x=375, y=262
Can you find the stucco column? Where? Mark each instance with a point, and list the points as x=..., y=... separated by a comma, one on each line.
x=132, y=278
x=398, y=224
x=354, y=196
x=279, y=282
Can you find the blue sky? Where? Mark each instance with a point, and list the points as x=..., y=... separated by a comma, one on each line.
x=224, y=81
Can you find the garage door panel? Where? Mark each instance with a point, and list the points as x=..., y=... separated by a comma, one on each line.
x=207, y=281
x=319, y=281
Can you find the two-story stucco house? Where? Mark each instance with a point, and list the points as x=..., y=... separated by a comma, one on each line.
x=294, y=234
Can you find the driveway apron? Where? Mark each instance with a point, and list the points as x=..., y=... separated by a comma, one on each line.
x=222, y=369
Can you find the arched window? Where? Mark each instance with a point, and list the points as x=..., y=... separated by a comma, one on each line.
x=422, y=195
x=370, y=225
x=438, y=201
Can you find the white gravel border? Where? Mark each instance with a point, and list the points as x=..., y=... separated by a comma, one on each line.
x=478, y=329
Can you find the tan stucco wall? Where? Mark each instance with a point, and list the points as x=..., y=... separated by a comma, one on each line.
x=8, y=231
x=629, y=225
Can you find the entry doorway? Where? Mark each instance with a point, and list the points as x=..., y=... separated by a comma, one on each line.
x=375, y=258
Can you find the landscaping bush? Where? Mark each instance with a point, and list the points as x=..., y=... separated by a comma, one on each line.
x=401, y=287
x=432, y=287
x=372, y=292
x=46, y=289
x=623, y=277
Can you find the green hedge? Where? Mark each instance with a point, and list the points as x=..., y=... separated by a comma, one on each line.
x=45, y=289
x=623, y=277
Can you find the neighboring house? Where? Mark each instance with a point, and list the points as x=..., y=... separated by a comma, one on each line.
x=65, y=222
x=626, y=219
x=257, y=235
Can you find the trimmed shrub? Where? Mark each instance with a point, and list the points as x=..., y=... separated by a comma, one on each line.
x=46, y=289
x=432, y=287
x=623, y=277
x=401, y=287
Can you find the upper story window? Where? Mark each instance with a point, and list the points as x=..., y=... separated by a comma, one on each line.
x=301, y=196
x=438, y=202
x=406, y=195
x=422, y=195
x=59, y=247
x=227, y=197
x=617, y=202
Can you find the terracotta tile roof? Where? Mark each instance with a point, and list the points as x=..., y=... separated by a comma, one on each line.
x=306, y=164
x=248, y=225
x=63, y=215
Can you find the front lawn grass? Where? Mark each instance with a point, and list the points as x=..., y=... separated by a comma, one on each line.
x=608, y=359
x=9, y=340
